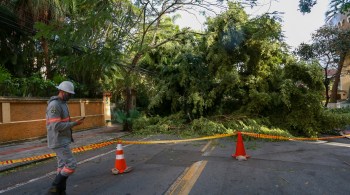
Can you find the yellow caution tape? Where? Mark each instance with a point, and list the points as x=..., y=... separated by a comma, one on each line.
x=40, y=157
x=103, y=144
x=264, y=136
x=177, y=141
x=45, y=156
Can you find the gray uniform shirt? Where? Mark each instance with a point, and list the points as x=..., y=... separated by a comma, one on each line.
x=58, y=123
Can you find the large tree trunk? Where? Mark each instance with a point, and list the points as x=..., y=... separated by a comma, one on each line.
x=46, y=56
x=326, y=84
x=127, y=107
x=334, y=93
x=128, y=100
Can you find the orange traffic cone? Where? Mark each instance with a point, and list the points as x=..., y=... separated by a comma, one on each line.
x=120, y=163
x=240, y=151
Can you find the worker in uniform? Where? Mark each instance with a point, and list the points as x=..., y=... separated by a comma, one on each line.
x=59, y=135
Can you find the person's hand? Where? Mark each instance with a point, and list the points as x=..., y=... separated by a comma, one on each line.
x=80, y=121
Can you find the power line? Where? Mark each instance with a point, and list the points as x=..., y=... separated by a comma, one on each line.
x=15, y=25
x=26, y=20
x=138, y=69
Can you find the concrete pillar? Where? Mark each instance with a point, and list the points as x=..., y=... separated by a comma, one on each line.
x=107, y=108
x=82, y=108
x=6, y=113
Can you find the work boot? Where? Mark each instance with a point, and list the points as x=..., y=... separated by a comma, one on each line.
x=58, y=185
x=64, y=185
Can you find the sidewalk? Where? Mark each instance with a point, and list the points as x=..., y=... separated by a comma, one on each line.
x=38, y=147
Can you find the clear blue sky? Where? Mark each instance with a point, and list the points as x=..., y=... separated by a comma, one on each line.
x=297, y=27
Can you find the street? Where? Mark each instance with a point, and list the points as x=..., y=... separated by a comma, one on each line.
x=199, y=167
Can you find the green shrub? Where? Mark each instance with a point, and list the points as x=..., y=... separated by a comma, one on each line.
x=122, y=117
x=143, y=122
x=36, y=86
x=5, y=82
x=172, y=124
x=333, y=119
x=204, y=126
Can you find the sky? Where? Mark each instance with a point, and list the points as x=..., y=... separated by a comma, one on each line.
x=297, y=27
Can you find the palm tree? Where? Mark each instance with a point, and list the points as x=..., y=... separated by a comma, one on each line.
x=29, y=12
x=12, y=37
x=337, y=7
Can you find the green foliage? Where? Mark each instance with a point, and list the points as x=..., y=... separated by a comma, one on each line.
x=182, y=82
x=258, y=101
x=237, y=65
x=221, y=72
x=204, y=126
x=345, y=110
x=91, y=45
x=300, y=97
x=173, y=124
x=4, y=74
x=5, y=81
x=123, y=117
x=336, y=7
x=306, y=5
x=329, y=47
x=36, y=86
x=250, y=124
x=150, y=126
x=332, y=120
x=33, y=86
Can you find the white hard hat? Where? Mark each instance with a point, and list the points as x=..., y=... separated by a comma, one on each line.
x=66, y=86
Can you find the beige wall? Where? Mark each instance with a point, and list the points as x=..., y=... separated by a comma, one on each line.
x=343, y=87
x=23, y=118
x=343, y=22
x=345, y=78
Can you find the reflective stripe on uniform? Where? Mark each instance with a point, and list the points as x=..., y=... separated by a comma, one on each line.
x=53, y=120
x=68, y=170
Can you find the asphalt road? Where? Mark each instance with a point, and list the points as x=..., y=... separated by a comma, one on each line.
x=200, y=167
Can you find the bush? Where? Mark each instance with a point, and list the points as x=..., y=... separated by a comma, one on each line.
x=173, y=124
x=334, y=119
x=34, y=86
x=121, y=117
x=5, y=82
x=204, y=126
